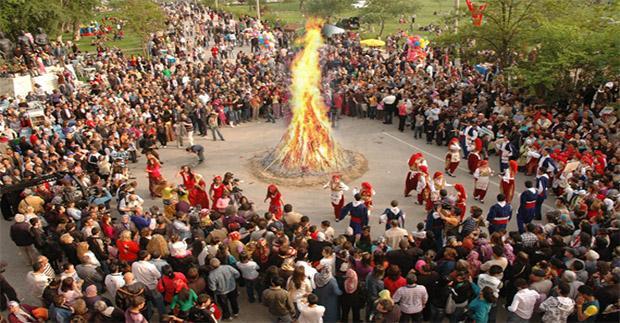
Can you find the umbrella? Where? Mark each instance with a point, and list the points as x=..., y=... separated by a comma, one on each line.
x=330, y=30
x=373, y=42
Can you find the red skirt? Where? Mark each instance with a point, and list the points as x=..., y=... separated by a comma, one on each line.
x=472, y=162
x=508, y=189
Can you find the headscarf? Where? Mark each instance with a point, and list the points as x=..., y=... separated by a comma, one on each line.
x=437, y=175
x=424, y=169
x=414, y=158
x=350, y=281
x=385, y=294
x=323, y=277
x=366, y=187
x=272, y=188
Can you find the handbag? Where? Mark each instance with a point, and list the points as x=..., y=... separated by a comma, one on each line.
x=450, y=304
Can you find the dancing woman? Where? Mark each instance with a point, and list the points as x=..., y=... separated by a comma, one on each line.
x=195, y=187
x=275, y=201
x=336, y=194
x=156, y=180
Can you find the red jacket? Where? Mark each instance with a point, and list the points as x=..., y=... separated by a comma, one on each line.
x=171, y=286
x=127, y=250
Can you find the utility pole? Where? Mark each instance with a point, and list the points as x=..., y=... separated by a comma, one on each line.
x=258, y=9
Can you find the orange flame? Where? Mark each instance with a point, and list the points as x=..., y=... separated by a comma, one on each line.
x=308, y=145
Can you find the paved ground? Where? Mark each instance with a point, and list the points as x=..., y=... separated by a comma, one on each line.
x=386, y=149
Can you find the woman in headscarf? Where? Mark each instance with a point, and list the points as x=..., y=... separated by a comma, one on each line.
x=453, y=157
x=473, y=259
x=351, y=298
x=275, y=201
x=328, y=292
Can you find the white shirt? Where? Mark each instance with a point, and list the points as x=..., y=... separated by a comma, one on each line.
x=249, y=270
x=113, y=282
x=146, y=273
x=37, y=283
x=524, y=302
x=310, y=314
x=486, y=280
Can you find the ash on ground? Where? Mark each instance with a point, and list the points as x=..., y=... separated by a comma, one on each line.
x=265, y=169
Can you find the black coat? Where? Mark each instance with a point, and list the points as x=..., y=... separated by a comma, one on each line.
x=8, y=204
x=20, y=234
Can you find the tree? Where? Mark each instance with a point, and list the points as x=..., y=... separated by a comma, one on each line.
x=574, y=43
x=144, y=17
x=28, y=15
x=378, y=11
x=326, y=8
x=504, y=26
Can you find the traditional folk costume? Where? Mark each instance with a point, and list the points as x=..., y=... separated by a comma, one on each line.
x=390, y=214
x=156, y=180
x=499, y=216
x=530, y=155
x=507, y=184
x=453, y=157
x=439, y=183
x=366, y=193
x=474, y=157
x=424, y=186
x=196, y=189
x=359, y=215
x=413, y=176
x=461, y=200
x=506, y=151
x=336, y=193
x=542, y=182
x=527, y=208
x=471, y=134
x=275, y=201
x=217, y=189
x=482, y=177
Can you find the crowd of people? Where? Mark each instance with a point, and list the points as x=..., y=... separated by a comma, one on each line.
x=99, y=253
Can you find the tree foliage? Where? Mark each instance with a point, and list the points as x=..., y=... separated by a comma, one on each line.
x=144, y=17
x=378, y=11
x=51, y=15
x=546, y=45
x=326, y=8
x=576, y=44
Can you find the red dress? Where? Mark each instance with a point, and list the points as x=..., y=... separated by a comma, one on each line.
x=196, y=191
x=275, y=204
x=218, y=192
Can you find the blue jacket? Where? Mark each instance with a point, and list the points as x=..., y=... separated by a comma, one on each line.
x=499, y=215
x=527, y=202
x=358, y=212
x=223, y=279
x=542, y=182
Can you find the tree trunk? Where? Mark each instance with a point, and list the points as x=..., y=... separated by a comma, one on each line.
x=301, y=5
x=382, y=27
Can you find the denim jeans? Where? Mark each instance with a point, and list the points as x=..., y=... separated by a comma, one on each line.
x=158, y=301
x=251, y=287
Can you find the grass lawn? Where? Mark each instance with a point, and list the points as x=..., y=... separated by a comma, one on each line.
x=130, y=44
x=430, y=11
